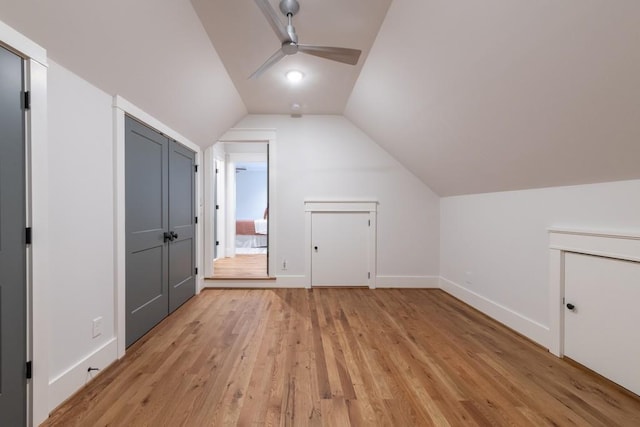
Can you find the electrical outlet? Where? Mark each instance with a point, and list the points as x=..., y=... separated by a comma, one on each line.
x=97, y=327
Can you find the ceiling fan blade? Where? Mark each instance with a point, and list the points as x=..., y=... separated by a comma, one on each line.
x=274, y=20
x=340, y=54
x=264, y=67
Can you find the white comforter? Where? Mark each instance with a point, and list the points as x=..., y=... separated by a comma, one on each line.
x=261, y=226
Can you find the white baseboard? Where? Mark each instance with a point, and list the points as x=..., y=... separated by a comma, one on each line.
x=280, y=282
x=298, y=281
x=292, y=281
x=71, y=380
x=419, y=282
x=519, y=323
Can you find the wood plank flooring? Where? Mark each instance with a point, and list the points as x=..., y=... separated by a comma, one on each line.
x=252, y=266
x=341, y=357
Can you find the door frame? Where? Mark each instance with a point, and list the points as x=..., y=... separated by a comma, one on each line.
x=231, y=195
x=616, y=245
x=211, y=183
x=262, y=136
x=340, y=206
x=121, y=107
x=37, y=189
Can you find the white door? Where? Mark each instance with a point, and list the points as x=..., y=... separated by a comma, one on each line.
x=340, y=248
x=602, y=318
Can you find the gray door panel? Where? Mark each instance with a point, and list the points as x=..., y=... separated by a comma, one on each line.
x=160, y=198
x=182, y=282
x=13, y=329
x=147, y=188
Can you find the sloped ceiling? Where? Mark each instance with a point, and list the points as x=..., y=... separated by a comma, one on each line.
x=155, y=53
x=244, y=40
x=470, y=96
x=481, y=96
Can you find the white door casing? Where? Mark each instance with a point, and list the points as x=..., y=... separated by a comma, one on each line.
x=37, y=217
x=333, y=268
x=256, y=136
x=610, y=244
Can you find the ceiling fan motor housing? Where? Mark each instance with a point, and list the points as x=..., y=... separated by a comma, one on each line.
x=289, y=7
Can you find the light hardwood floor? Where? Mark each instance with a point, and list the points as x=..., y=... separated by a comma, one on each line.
x=241, y=267
x=340, y=357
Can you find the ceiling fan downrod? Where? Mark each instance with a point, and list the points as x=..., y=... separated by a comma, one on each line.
x=289, y=39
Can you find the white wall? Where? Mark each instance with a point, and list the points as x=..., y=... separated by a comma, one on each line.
x=251, y=193
x=81, y=221
x=501, y=240
x=327, y=157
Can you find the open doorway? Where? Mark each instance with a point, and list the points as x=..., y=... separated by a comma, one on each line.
x=241, y=214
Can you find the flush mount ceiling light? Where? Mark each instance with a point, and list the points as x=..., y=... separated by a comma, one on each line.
x=294, y=76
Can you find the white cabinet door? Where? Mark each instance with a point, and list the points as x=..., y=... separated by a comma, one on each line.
x=602, y=330
x=339, y=248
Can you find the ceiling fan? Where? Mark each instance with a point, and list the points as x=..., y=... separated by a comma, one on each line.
x=289, y=38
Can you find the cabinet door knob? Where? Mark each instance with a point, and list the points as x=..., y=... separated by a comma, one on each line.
x=570, y=306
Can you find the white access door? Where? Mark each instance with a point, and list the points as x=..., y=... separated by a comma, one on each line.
x=340, y=248
x=601, y=330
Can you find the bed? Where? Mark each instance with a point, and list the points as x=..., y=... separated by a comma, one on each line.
x=251, y=235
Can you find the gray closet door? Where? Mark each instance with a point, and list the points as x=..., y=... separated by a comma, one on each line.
x=182, y=281
x=147, y=189
x=13, y=329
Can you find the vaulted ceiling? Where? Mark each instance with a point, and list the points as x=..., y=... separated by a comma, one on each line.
x=244, y=40
x=481, y=96
x=155, y=53
x=470, y=96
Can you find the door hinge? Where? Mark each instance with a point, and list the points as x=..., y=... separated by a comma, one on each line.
x=217, y=170
x=368, y=275
x=369, y=223
x=29, y=370
x=196, y=271
x=196, y=220
x=28, y=236
x=217, y=243
x=27, y=100
x=196, y=168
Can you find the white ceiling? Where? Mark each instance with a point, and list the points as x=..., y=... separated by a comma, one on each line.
x=482, y=96
x=470, y=96
x=244, y=40
x=154, y=53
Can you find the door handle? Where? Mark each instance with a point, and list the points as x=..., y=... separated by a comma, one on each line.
x=570, y=306
x=170, y=236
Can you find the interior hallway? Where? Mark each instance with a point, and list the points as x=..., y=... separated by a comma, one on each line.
x=252, y=266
